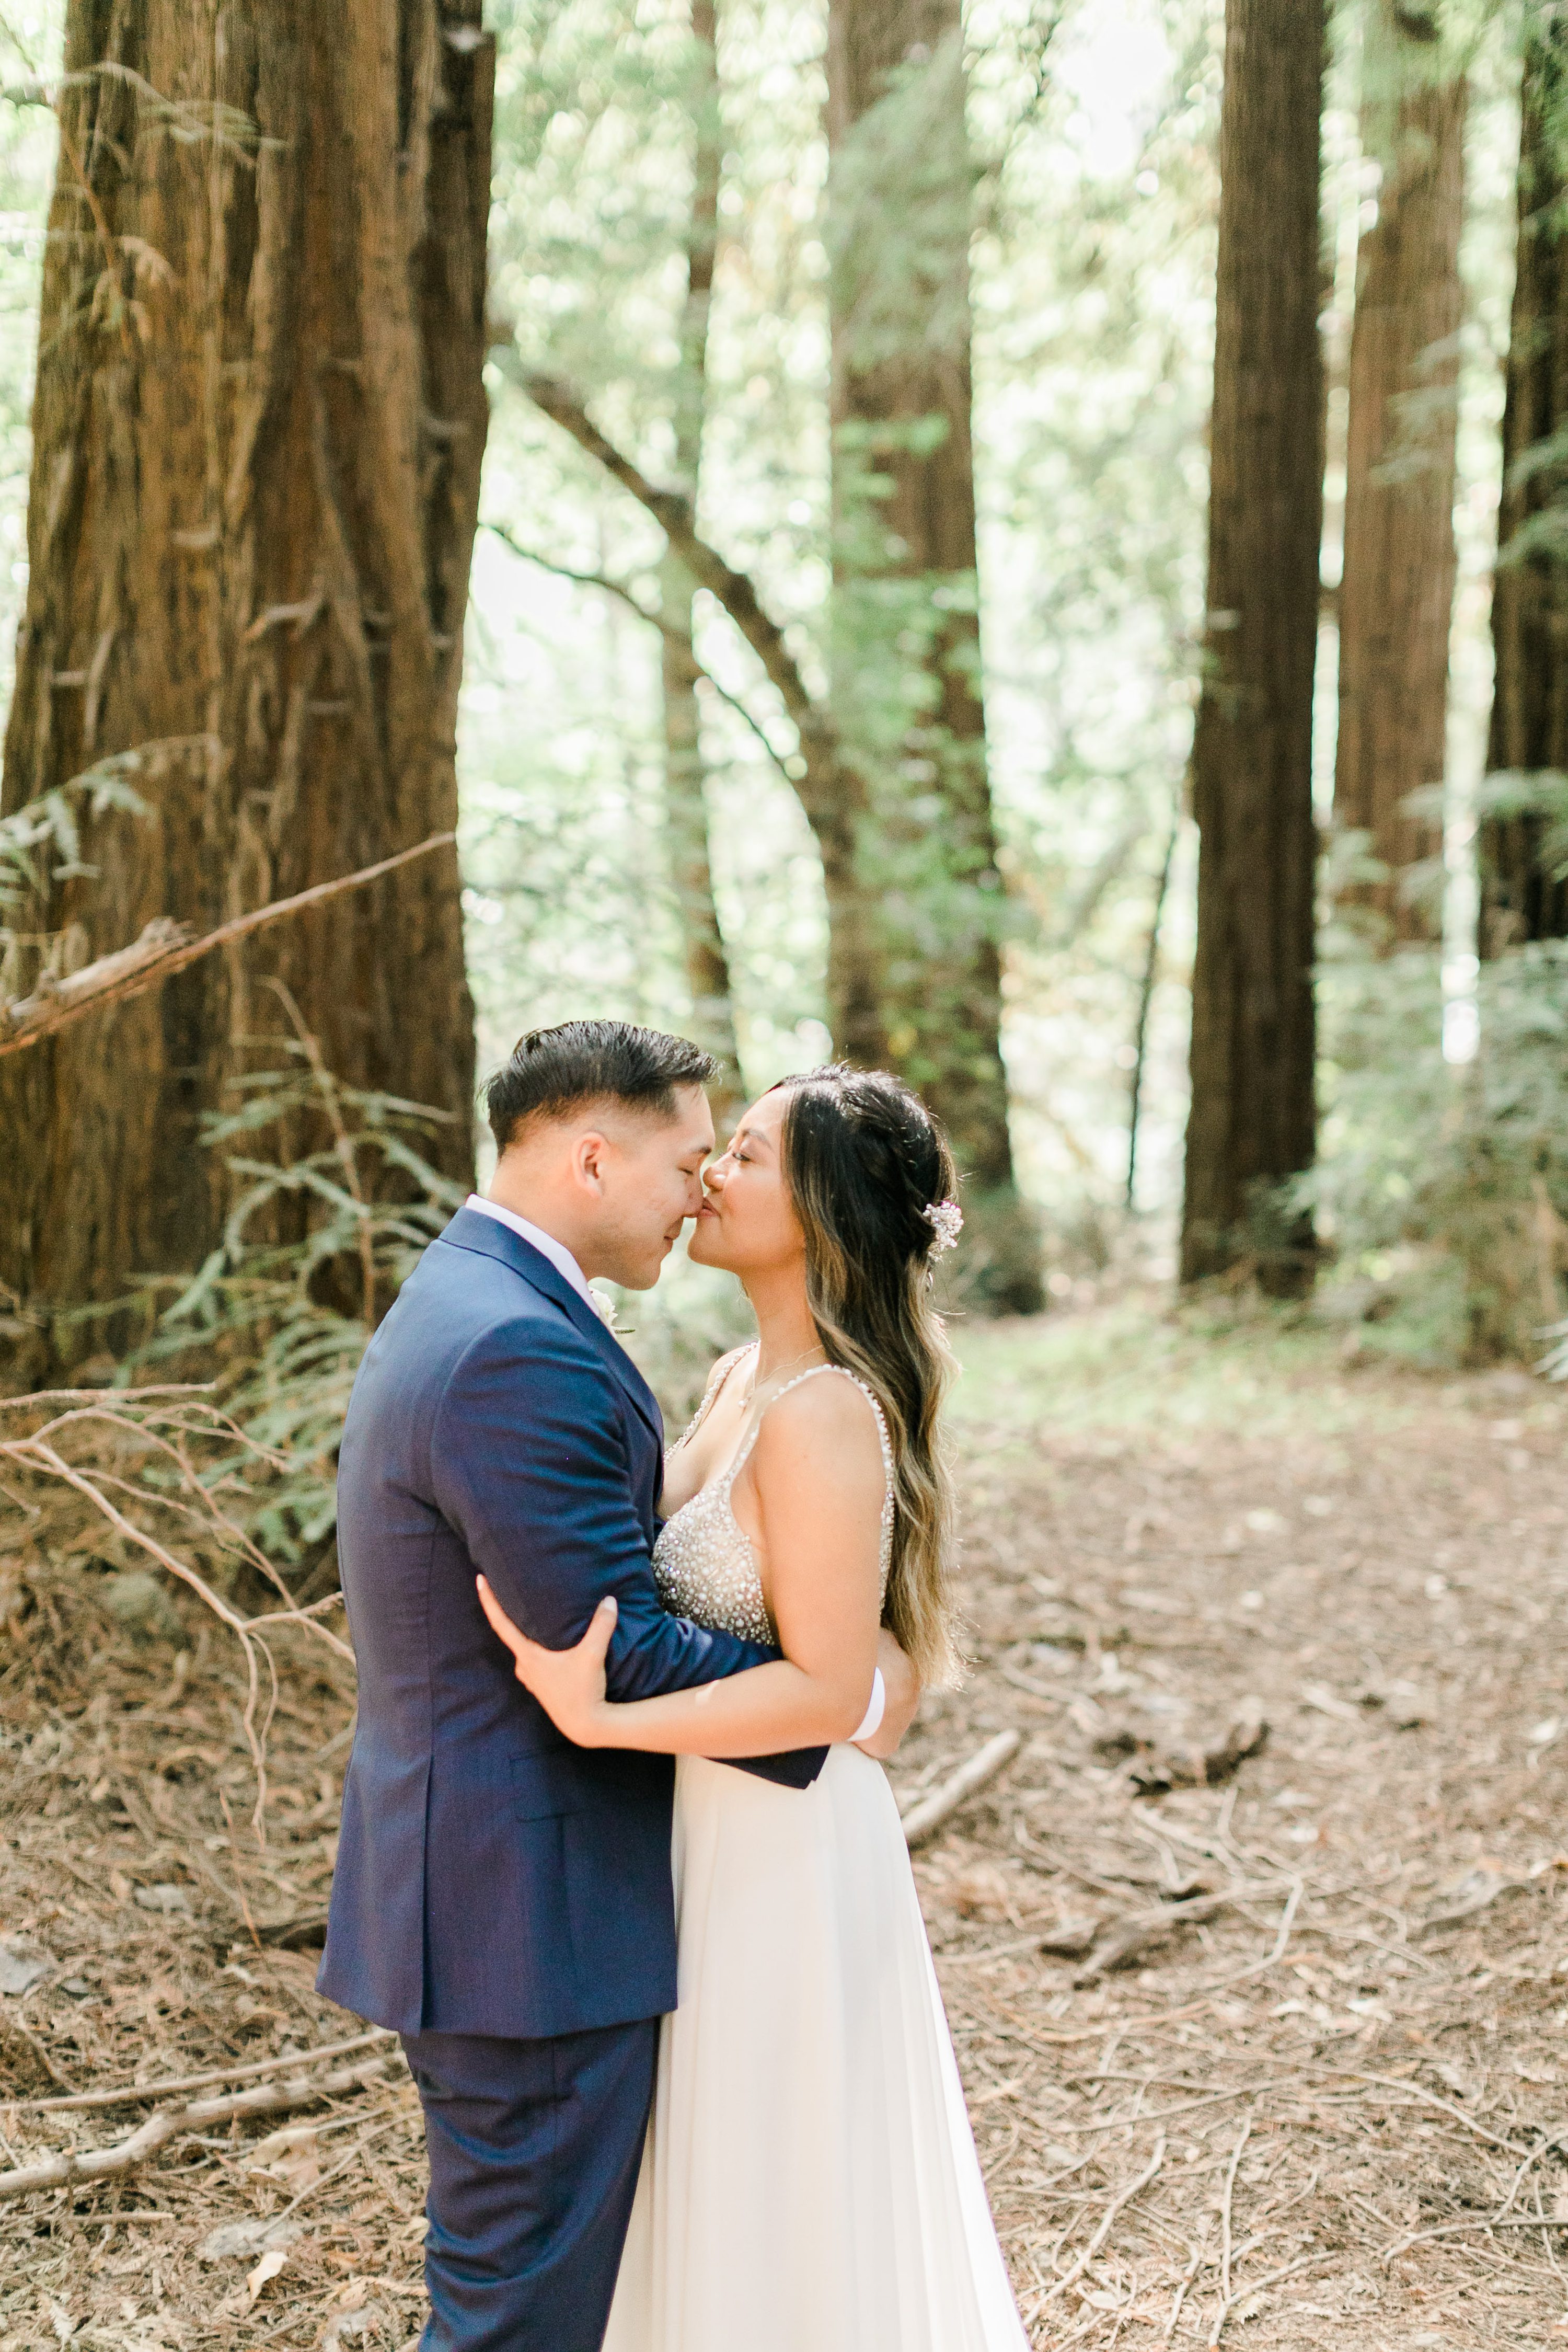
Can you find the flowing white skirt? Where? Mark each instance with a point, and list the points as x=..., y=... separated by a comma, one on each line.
x=809, y=2183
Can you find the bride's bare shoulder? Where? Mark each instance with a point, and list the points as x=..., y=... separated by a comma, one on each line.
x=828, y=1415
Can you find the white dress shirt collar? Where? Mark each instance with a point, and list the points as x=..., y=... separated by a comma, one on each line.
x=559, y=1257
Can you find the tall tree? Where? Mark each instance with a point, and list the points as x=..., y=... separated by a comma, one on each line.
x=826, y=783
x=258, y=433
x=685, y=780
x=1252, y=1120
x=1524, y=900
x=1397, y=595
x=906, y=651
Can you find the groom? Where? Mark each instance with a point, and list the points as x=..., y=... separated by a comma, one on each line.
x=503, y=1899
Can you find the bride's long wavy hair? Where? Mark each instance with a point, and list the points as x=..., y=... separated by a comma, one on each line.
x=865, y=1159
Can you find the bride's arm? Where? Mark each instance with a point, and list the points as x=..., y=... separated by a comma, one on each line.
x=817, y=1473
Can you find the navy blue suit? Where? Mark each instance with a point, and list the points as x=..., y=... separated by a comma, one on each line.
x=496, y=1889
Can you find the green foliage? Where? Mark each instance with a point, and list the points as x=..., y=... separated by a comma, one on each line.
x=1539, y=794
x=41, y=841
x=321, y=1236
x=1092, y=196
x=1442, y=1191
x=1093, y=330
x=1082, y=220
x=900, y=271
x=572, y=906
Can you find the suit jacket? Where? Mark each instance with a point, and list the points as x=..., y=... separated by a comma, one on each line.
x=492, y=1878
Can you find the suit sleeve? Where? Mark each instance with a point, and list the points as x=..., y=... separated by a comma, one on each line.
x=529, y=1464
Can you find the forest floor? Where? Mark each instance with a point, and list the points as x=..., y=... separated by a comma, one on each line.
x=1294, y=2072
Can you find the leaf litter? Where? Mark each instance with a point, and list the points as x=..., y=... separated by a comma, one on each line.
x=1260, y=2000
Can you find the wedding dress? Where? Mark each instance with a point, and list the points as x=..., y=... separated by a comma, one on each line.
x=810, y=2181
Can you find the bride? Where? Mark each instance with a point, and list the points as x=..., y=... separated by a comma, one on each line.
x=809, y=2183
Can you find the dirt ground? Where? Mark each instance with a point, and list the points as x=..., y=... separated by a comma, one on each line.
x=1293, y=2073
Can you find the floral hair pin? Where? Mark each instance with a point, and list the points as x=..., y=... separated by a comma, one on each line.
x=945, y=1219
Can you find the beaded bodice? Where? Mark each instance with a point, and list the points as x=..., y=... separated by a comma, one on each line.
x=704, y=1561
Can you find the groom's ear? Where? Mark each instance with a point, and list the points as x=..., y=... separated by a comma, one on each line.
x=588, y=1154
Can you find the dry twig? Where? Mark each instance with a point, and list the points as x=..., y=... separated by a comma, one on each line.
x=167, y=947
x=922, y=1820
x=1242, y=2137
x=133, y=2093
x=166, y=2124
x=1124, y=2197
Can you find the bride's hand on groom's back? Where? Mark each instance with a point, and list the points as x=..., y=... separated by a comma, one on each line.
x=568, y=1683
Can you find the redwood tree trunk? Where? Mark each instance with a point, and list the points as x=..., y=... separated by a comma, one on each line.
x=257, y=435
x=906, y=629
x=685, y=779
x=1397, y=596
x=1530, y=601
x=1252, y=1118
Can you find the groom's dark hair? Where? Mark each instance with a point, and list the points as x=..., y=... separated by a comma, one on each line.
x=552, y=1071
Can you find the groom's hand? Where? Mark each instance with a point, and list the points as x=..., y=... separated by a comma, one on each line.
x=901, y=1685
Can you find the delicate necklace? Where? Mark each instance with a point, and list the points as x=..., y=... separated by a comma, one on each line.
x=805, y=1357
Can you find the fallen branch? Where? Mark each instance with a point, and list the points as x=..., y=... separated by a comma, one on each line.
x=1020, y=1681
x=166, y=947
x=167, y=2123
x=133, y=2093
x=1200, y=2255
x=930, y=1813
x=1277, y=1951
x=1385, y=2082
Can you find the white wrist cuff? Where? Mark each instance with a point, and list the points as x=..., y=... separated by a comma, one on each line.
x=876, y=1710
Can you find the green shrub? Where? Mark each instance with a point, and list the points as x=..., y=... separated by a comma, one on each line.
x=1446, y=1186
x=322, y=1234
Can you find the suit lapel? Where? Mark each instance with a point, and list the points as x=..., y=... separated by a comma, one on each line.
x=489, y=1237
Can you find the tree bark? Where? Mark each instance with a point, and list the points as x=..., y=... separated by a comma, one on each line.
x=906, y=647
x=1252, y=1118
x=1395, y=600
x=1524, y=900
x=258, y=433
x=686, y=778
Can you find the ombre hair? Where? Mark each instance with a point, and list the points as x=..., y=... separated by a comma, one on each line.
x=865, y=1161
